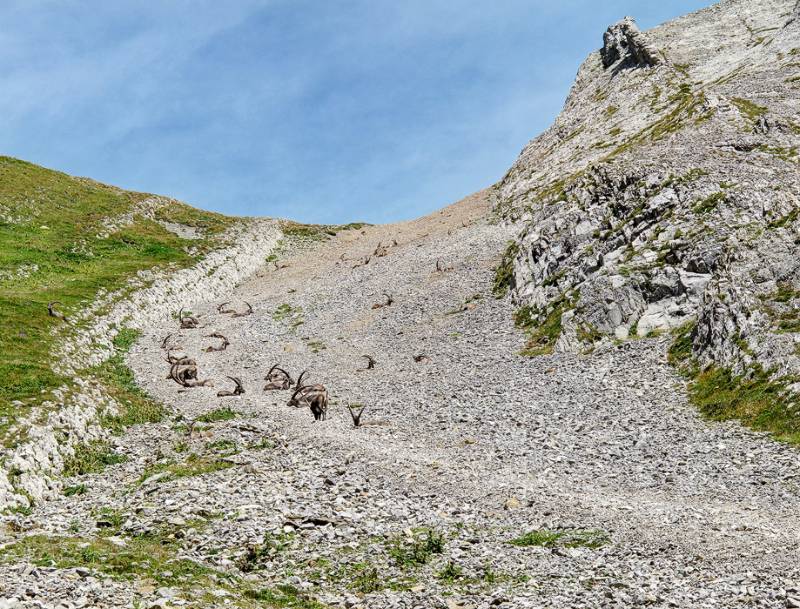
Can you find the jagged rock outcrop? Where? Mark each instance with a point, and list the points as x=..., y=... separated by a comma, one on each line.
x=671, y=195
x=624, y=46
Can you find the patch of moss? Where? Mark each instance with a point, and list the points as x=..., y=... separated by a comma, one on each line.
x=91, y=458
x=749, y=109
x=194, y=465
x=218, y=414
x=542, y=335
x=710, y=203
x=569, y=538
x=504, y=273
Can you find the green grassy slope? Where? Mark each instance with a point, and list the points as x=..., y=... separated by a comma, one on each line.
x=51, y=220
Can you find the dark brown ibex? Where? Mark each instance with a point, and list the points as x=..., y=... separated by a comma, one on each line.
x=222, y=347
x=316, y=396
x=421, y=358
x=238, y=390
x=184, y=372
x=277, y=379
x=388, y=303
x=188, y=322
x=51, y=311
x=356, y=416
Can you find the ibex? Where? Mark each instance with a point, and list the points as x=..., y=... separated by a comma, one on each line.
x=356, y=416
x=184, y=372
x=245, y=313
x=381, y=251
x=233, y=312
x=316, y=396
x=441, y=268
x=223, y=310
x=370, y=362
x=222, y=347
x=51, y=311
x=362, y=262
x=388, y=303
x=277, y=379
x=238, y=390
x=188, y=322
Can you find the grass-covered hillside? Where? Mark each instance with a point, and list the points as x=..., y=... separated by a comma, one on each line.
x=65, y=239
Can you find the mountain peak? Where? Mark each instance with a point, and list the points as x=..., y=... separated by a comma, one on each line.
x=626, y=47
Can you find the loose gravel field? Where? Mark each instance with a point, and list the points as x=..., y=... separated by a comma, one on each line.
x=617, y=493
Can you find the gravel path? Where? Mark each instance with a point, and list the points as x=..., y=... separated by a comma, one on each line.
x=474, y=442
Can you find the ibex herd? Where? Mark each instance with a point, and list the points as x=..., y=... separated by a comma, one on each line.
x=183, y=370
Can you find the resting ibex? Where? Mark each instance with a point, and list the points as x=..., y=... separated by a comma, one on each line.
x=238, y=390
x=316, y=396
x=222, y=347
x=234, y=313
x=356, y=416
x=188, y=322
x=184, y=372
x=223, y=309
x=245, y=313
x=277, y=379
x=381, y=251
x=362, y=262
x=388, y=303
x=370, y=362
x=441, y=268
x=51, y=311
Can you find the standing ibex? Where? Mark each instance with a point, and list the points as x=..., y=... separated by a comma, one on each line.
x=277, y=379
x=316, y=396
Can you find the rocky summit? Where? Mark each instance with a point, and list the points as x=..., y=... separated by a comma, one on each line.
x=577, y=388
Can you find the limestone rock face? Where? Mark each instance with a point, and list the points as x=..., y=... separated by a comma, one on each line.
x=671, y=195
x=624, y=46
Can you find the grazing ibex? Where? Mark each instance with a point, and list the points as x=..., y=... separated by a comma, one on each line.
x=388, y=303
x=277, y=379
x=188, y=322
x=316, y=396
x=370, y=362
x=184, y=372
x=222, y=347
x=51, y=311
x=238, y=390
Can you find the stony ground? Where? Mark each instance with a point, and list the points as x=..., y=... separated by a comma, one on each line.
x=633, y=499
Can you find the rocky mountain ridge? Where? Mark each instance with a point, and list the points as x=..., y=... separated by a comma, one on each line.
x=677, y=195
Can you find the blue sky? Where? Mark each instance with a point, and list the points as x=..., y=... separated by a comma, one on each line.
x=323, y=111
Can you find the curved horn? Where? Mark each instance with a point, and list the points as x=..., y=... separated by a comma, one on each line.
x=238, y=382
x=299, y=384
x=266, y=378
